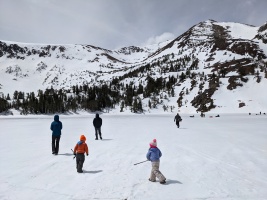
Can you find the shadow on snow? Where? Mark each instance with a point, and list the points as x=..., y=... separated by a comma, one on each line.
x=92, y=172
x=65, y=154
x=169, y=181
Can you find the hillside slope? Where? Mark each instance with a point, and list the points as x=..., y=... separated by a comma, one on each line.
x=204, y=66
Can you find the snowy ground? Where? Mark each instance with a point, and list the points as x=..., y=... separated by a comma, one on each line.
x=206, y=159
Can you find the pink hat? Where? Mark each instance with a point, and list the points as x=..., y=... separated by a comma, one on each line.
x=153, y=143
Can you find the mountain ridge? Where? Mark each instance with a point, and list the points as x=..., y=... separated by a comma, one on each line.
x=211, y=49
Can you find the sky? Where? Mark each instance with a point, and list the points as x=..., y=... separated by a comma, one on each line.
x=113, y=24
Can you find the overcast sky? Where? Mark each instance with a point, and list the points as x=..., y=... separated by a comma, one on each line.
x=117, y=23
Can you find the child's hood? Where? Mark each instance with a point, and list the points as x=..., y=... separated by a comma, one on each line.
x=80, y=142
x=154, y=149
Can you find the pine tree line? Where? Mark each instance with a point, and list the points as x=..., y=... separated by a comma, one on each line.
x=90, y=98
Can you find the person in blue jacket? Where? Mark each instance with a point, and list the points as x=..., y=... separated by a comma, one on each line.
x=154, y=155
x=56, y=127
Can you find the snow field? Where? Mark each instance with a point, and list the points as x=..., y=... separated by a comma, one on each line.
x=207, y=158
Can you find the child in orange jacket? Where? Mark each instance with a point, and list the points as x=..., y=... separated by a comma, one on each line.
x=79, y=150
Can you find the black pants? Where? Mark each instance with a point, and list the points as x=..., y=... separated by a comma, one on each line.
x=55, y=144
x=177, y=123
x=98, y=132
x=79, y=161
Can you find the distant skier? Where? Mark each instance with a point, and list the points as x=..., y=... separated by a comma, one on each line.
x=79, y=150
x=154, y=155
x=177, y=119
x=56, y=127
x=97, y=124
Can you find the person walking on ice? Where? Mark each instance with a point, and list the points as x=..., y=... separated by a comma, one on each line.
x=97, y=124
x=177, y=119
x=56, y=127
x=79, y=150
x=154, y=155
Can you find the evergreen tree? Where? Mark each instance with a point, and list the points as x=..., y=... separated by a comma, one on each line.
x=122, y=106
x=139, y=106
x=182, y=77
x=140, y=89
x=135, y=106
x=8, y=97
x=3, y=105
x=15, y=95
x=172, y=92
x=149, y=103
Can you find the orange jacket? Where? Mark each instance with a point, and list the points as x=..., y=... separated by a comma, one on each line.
x=81, y=147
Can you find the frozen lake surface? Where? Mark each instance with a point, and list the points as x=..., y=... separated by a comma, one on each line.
x=207, y=158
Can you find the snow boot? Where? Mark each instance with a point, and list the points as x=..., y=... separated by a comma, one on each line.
x=162, y=182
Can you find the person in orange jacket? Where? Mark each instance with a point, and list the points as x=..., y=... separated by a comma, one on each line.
x=79, y=150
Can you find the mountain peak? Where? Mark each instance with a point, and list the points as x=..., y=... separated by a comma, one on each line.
x=193, y=70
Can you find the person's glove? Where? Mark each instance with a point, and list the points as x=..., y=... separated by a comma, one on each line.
x=74, y=154
x=87, y=154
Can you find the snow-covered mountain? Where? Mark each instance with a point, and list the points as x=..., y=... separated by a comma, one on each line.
x=218, y=65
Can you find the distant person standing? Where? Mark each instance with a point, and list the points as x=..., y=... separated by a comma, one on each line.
x=97, y=124
x=56, y=127
x=177, y=119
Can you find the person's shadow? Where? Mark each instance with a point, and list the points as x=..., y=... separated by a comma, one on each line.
x=106, y=139
x=92, y=172
x=66, y=154
x=169, y=181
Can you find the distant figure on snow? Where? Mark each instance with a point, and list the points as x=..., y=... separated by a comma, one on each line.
x=56, y=127
x=177, y=119
x=154, y=155
x=97, y=124
x=79, y=150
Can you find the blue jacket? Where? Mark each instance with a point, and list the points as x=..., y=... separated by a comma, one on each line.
x=56, y=126
x=153, y=154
